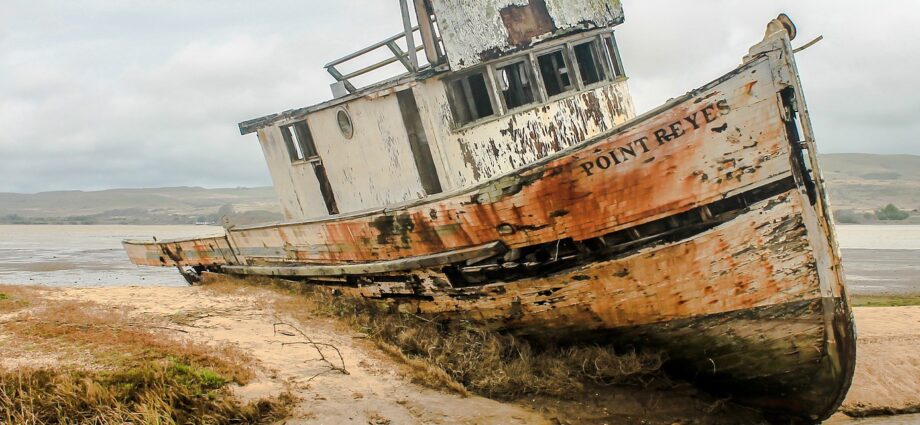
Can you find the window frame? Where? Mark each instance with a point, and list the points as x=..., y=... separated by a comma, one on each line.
x=573, y=81
x=489, y=71
x=614, y=61
x=491, y=91
x=535, y=86
x=597, y=47
x=303, y=149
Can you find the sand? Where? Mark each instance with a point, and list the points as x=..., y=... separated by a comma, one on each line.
x=888, y=361
x=377, y=391
x=374, y=392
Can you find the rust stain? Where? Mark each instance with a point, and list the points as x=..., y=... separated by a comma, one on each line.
x=524, y=23
x=605, y=186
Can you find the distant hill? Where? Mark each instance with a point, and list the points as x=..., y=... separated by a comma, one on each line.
x=865, y=182
x=172, y=205
x=858, y=185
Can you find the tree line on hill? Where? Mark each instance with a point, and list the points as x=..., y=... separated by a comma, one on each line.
x=888, y=213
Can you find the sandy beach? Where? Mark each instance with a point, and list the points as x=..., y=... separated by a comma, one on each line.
x=373, y=392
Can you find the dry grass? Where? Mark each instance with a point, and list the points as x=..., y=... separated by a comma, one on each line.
x=14, y=298
x=115, y=341
x=158, y=392
x=885, y=300
x=133, y=373
x=461, y=355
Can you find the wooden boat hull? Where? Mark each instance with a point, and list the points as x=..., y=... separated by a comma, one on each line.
x=701, y=228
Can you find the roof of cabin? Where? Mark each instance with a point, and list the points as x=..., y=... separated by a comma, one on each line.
x=457, y=35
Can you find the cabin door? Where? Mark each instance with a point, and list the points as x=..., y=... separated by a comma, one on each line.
x=418, y=142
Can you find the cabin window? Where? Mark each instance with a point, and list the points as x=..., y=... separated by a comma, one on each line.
x=470, y=98
x=515, y=83
x=345, y=125
x=590, y=65
x=555, y=72
x=299, y=141
x=614, y=53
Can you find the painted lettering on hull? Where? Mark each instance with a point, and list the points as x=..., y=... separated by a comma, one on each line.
x=644, y=145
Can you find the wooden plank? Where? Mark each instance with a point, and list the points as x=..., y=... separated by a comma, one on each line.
x=412, y=263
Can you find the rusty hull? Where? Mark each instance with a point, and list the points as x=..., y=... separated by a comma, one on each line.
x=696, y=228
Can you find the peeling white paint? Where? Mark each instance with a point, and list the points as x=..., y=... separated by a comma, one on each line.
x=470, y=29
x=571, y=13
x=499, y=146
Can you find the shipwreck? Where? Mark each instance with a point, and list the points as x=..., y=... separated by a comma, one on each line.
x=504, y=177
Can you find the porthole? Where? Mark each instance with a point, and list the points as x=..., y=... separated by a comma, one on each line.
x=345, y=124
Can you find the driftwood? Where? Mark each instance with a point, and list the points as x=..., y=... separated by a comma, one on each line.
x=318, y=346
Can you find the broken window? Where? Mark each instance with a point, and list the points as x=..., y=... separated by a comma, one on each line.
x=614, y=53
x=515, y=84
x=555, y=72
x=299, y=141
x=470, y=99
x=590, y=65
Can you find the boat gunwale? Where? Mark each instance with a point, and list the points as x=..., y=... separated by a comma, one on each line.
x=138, y=242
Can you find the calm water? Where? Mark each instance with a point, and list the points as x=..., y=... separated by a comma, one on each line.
x=84, y=255
x=881, y=259
x=879, y=237
x=877, y=259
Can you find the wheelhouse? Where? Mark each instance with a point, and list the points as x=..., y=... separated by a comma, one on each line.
x=467, y=103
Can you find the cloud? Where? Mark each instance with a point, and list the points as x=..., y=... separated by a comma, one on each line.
x=859, y=82
x=107, y=94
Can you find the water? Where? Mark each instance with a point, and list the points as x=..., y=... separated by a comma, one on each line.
x=84, y=255
x=896, y=237
x=881, y=260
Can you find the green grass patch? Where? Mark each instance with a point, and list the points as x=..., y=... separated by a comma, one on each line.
x=3, y=297
x=129, y=374
x=159, y=392
x=885, y=300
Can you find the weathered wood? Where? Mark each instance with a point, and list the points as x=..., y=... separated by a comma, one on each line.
x=201, y=252
x=358, y=269
x=503, y=26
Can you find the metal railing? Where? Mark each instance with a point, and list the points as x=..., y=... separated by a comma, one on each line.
x=408, y=58
x=409, y=61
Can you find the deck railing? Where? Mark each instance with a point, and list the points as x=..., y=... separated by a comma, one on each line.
x=408, y=58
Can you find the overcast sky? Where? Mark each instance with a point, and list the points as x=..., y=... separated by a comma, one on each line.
x=98, y=94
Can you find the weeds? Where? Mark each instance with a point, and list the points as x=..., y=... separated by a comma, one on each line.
x=499, y=365
x=463, y=356
x=116, y=342
x=14, y=298
x=885, y=300
x=131, y=374
x=159, y=392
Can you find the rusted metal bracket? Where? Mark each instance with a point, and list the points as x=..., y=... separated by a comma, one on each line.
x=809, y=44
